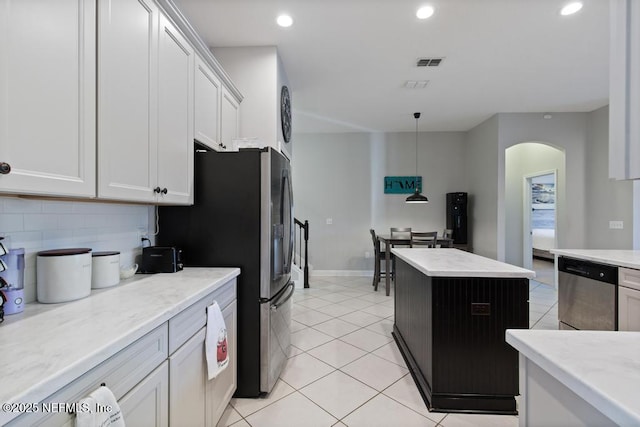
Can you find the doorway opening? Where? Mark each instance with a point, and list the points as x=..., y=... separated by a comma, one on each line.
x=540, y=222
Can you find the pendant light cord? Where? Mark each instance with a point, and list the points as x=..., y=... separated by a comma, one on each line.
x=419, y=189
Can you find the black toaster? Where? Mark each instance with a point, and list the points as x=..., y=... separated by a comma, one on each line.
x=161, y=259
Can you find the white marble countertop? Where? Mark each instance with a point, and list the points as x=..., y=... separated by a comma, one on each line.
x=456, y=263
x=602, y=367
x=619, y=257
x=51, y=345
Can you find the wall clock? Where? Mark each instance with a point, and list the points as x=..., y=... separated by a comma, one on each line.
x=285, y=113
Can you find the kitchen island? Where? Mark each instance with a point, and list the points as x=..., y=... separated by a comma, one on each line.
x=578, y=378
x=452, y=309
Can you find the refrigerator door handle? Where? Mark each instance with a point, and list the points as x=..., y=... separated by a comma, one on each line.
x=291, y=230
x=275, y=306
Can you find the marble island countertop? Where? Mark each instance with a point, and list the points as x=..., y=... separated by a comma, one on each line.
x=620, y=257
x=52, y=344
x=602, y=367
x=456, y=263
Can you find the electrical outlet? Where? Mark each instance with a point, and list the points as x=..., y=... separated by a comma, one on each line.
x=329, y=221
x=143, y=235
x=617, y=225
x=367, y=254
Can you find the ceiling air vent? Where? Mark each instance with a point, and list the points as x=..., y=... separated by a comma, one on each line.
x=429, y=62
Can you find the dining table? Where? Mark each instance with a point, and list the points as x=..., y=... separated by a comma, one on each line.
x=401, y=240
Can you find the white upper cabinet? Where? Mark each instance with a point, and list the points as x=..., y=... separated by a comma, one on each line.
x=229, y=120
x=127, y=99
x=145, y=105
x=261, y=74
x=175, y=136
x=47, y=97
x=624, y=90
x=208, y=91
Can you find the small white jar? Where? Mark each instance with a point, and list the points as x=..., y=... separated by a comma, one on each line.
x=105, y=269
x=63, y=275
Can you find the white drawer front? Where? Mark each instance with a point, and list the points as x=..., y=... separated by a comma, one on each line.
x=186, y=324
x=120, y=373
x=629, y=278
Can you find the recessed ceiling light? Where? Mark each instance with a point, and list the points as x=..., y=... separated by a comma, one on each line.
x=284, y=21
x=424, y=12
x=571, y=8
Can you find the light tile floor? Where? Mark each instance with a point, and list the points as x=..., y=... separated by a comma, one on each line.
x=345, y=368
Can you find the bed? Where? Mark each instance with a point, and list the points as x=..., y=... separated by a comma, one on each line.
x=543, y=239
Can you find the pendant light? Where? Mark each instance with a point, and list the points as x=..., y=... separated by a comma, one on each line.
x=417, y=197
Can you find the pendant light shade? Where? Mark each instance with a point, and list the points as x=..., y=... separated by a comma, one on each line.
x=417, y=197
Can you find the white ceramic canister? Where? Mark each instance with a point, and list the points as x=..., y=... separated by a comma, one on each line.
x=105, y=269
x=63, y=275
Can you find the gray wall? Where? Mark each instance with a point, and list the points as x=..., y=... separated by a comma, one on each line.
x=482, y=169
x=340, y=176
x=606, y=199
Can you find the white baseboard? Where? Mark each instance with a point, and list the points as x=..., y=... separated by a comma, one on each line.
x=354, y=273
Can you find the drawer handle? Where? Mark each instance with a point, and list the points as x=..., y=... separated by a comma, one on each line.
x=5, y=168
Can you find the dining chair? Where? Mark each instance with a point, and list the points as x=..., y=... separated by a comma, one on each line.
x=447, y=234
x=424, y=239
x=379, y=257
x=401, y=233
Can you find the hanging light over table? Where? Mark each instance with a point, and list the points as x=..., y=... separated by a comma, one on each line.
x=417, y=197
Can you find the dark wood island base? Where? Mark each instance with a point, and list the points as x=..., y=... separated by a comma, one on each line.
x=451, y=333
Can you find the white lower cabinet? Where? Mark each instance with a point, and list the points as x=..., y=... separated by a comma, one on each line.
x=195, y=400
x=629, y=300
x=220, y=389
x=156, y=386
x=187, y=376
x=147, y=405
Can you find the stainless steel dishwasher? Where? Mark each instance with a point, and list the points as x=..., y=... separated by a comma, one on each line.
x=587, y=295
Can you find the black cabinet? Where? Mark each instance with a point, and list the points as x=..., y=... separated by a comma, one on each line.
x=451, y=331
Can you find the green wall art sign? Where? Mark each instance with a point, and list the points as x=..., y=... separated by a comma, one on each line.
x=402, y=184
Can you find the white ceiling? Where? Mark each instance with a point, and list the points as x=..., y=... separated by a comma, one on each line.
x=347, y=60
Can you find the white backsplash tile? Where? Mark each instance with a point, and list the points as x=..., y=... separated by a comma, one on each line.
x=37, y=225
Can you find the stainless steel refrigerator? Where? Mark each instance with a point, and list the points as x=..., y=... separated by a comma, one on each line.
x=243, y=217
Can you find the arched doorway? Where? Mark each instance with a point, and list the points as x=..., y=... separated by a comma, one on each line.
x=526, y=164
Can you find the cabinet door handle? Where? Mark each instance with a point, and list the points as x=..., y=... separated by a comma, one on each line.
x=224, y=147
x=164, y=190
x=157, y=190
x=5, y=168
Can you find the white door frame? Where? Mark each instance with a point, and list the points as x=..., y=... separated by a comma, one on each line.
x=527, y=239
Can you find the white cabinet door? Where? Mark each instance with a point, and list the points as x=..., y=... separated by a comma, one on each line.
x=187, y=377
x=624, y=90
x=47, y=97
x=127, y=99
x=147, y=404
x=229, y=119
x=221, y=388
x=628, y=299
x=175, y=102
x=207, y=105
x=628, y=309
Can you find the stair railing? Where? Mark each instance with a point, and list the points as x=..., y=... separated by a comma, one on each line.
x=302, y=232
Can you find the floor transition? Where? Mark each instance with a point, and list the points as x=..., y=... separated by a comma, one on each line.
x=345, y=368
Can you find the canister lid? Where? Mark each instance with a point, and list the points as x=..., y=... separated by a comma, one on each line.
x=105, y=253
x=64, y=252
